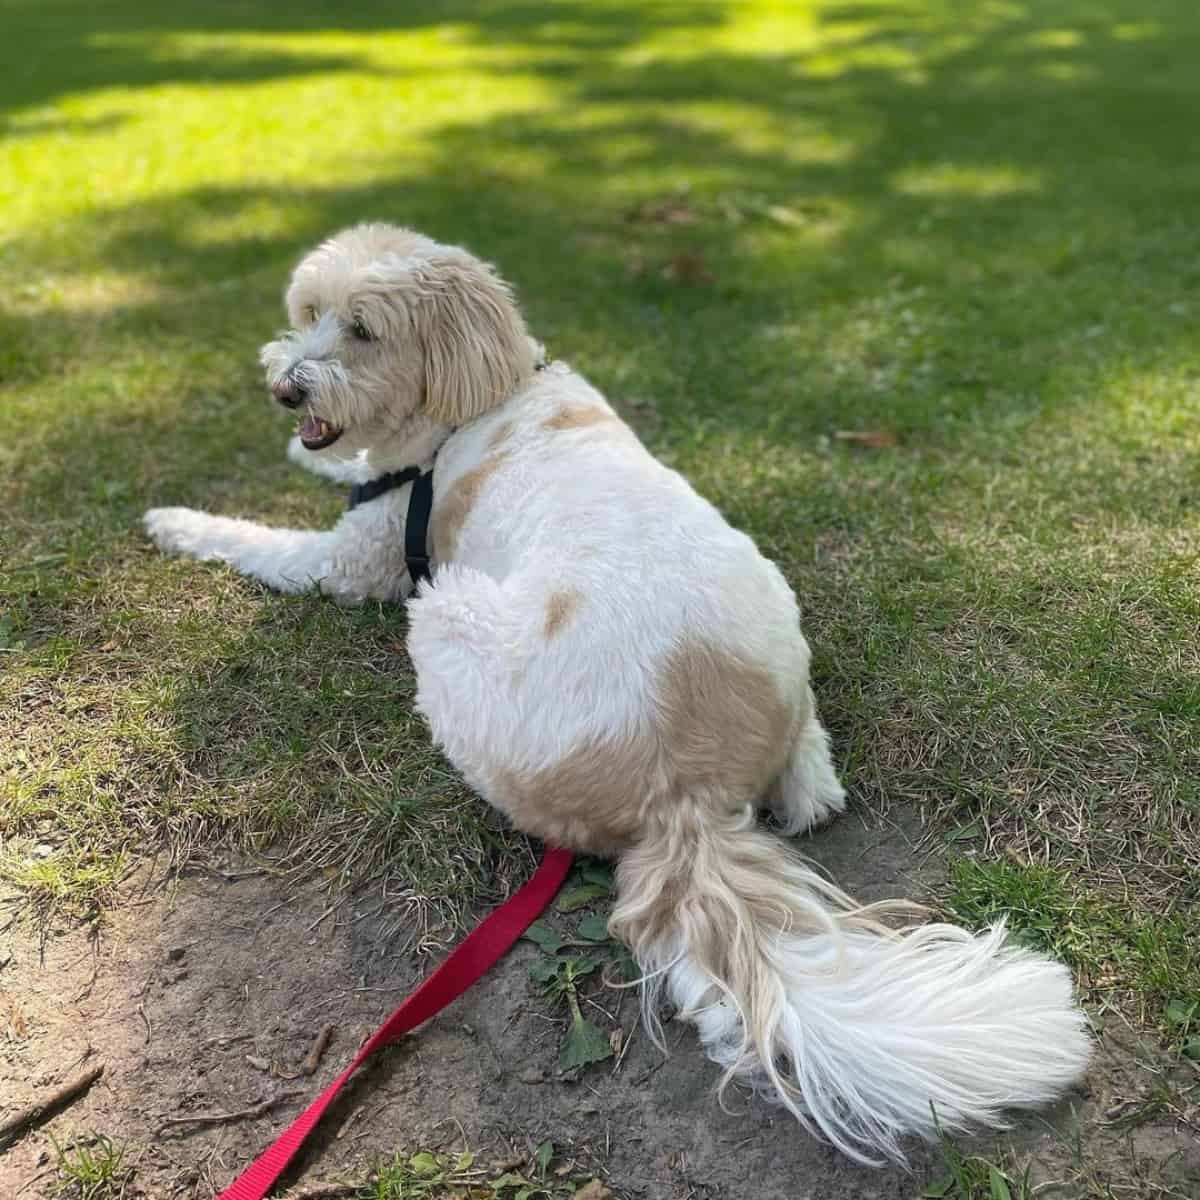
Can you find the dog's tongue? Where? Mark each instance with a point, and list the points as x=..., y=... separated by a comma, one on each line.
x=313, y=429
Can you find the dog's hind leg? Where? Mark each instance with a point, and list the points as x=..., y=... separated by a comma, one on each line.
x=808, y=792
x=465, y=644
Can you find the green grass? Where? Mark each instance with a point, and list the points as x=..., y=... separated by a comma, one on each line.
x=973, y=1177
x=427, y=1175
x=1153, y=959
x=92, y=1170
x=975, y=228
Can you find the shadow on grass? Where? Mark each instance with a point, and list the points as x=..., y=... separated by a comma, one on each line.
x=67, y=46
x=947, y=228
x=920, y=242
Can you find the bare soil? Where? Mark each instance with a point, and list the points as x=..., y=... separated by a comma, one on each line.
x=199, y=995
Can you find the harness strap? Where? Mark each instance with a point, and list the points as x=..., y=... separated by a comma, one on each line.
x=361, y=493
x=416, y=528
x=468, y=962
x=416, y=523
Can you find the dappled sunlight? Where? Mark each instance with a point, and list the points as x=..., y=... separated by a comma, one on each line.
x=1136, y=31
x=406, y=86
x=757, y=225
x=1065, y=72
x=95, y=294
x=1053, y=39
x=906, y=287
x=794, y=138
x=254, y=220
x=950, y=179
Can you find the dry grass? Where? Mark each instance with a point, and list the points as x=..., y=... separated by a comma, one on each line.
x=965, y=235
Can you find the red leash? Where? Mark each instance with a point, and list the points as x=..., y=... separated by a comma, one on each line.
x=472, y=958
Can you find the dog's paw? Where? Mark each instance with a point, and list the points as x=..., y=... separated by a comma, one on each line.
x=178, y=530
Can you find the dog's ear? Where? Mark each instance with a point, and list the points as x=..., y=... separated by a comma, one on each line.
x=474, y=341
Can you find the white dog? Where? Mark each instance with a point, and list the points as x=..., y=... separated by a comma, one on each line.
x=619, y=671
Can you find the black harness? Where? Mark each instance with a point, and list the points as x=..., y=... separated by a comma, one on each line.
x=416, y=524
x=420, y=505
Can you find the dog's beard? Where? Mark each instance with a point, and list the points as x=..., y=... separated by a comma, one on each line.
x=333, y=402
x=351, y=408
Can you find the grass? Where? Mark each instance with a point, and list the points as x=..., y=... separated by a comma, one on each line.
x=427, y=1175
x=1150, y=960
x=92, y=1170
x=971, y=229
x=973, y=1177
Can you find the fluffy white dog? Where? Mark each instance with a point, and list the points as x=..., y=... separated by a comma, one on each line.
x=619, y=671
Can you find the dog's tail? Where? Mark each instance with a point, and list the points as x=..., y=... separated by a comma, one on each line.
x=863, y=1033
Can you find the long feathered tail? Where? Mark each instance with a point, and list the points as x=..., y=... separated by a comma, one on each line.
x=864, y=1033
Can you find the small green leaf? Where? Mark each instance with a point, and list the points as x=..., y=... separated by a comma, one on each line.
x=577, y=968
x=569, y=901
x=938, y=1188
x=541, y=933
x=600, y=875
x=424, y=1163
x=543, y=970
x=594, y=929
x=627, y=966
x=999, y=1185
x=1191, y=1047
x=542, y=1156
x=584, y=1044
x=1181, y=1013
x=509, y=1179
x=464, y=1161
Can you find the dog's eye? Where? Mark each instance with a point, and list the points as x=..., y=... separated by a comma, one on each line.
x=361, y=332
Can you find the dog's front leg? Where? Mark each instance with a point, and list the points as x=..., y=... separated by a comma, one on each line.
x=356, y=560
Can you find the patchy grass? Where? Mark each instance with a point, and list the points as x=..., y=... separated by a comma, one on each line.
x=971, y=232
x=93, y=1169
x=974, y=1177
x=1131, y=955
x=426, y=1175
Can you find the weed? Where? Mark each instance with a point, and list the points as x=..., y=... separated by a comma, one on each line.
x=92, y=1169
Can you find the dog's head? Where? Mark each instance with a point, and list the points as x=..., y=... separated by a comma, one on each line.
x=389, y=327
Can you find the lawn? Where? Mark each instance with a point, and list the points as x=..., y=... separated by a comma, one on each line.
x=967, y=235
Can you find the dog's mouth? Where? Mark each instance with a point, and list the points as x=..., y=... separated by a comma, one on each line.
x=316, y=433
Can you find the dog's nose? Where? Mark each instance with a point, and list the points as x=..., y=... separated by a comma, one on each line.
x=288, y=392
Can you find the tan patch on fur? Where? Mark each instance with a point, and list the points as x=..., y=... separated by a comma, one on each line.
x=593, y=799
x=721, y=734
x=725, y=727
x=559, y=609
x=577, y=417
x=450, y=514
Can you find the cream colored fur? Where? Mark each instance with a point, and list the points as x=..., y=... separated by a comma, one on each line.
x=612, y=665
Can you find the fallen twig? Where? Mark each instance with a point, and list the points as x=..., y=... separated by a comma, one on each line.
x=149, y=1030
x=244, y=1114
x=69, y=1091
x=627, y=1043
x=324, y=1191
x=313, y=1058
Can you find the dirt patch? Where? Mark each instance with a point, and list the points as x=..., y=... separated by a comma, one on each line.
x=199, y=997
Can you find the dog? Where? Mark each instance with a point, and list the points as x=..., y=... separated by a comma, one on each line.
x=619, y=671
